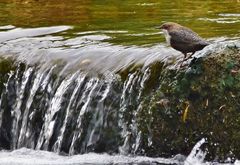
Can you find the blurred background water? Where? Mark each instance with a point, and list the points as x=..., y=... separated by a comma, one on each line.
x=126, y=22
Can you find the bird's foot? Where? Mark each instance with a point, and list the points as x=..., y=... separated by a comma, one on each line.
x=182, y=65
x=186, y=57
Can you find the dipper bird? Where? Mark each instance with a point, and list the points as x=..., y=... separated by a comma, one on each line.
x=182, y=38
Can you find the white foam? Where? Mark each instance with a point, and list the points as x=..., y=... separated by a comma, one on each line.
x=27, y=156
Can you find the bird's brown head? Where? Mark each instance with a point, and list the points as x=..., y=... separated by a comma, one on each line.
x=169, y=26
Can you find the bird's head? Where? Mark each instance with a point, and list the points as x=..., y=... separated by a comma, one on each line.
x=169, y=26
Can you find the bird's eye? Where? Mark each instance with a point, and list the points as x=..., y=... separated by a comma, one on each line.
x=166, y=26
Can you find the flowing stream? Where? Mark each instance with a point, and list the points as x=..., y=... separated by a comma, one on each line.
x=74, y=75
x=69, y=99
x=68, y=96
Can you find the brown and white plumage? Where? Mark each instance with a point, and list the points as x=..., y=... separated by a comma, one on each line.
x=182, y=38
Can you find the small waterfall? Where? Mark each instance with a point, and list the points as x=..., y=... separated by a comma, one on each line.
x=20, y=101
x=74, y=113
x=57, y=113
x=73, y=99
x=68, y=99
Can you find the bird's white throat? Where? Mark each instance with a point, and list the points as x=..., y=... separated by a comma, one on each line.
x=167, y=36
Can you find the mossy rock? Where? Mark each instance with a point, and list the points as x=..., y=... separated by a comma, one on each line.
x=6, y=65
x=199, y=101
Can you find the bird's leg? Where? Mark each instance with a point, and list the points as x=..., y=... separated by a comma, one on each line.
x=184, y=59
x=185, y=56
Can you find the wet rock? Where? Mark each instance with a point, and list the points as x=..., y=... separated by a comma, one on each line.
x=204, y=101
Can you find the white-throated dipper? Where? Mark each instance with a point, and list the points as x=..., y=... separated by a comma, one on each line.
x=182, y=38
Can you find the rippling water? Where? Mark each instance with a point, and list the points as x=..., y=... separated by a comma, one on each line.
x=126, y=22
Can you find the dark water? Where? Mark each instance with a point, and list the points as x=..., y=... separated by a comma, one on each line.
x=61, y=88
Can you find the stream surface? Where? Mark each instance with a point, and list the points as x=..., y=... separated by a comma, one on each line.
x=60, y=44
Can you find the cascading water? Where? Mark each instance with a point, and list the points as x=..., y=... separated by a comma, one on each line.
x=76, y=113
x=67, y=114
x=70, y=99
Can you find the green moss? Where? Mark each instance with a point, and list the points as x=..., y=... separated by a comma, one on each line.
x=6, y=65
x=126, y=71
x=211, y=89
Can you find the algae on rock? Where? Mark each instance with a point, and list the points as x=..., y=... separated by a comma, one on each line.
x=199, y=101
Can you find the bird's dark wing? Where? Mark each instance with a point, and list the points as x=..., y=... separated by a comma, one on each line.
x=186, y=36
x=185, y=40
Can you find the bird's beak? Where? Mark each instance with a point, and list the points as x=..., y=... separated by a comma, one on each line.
x=159, y=27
